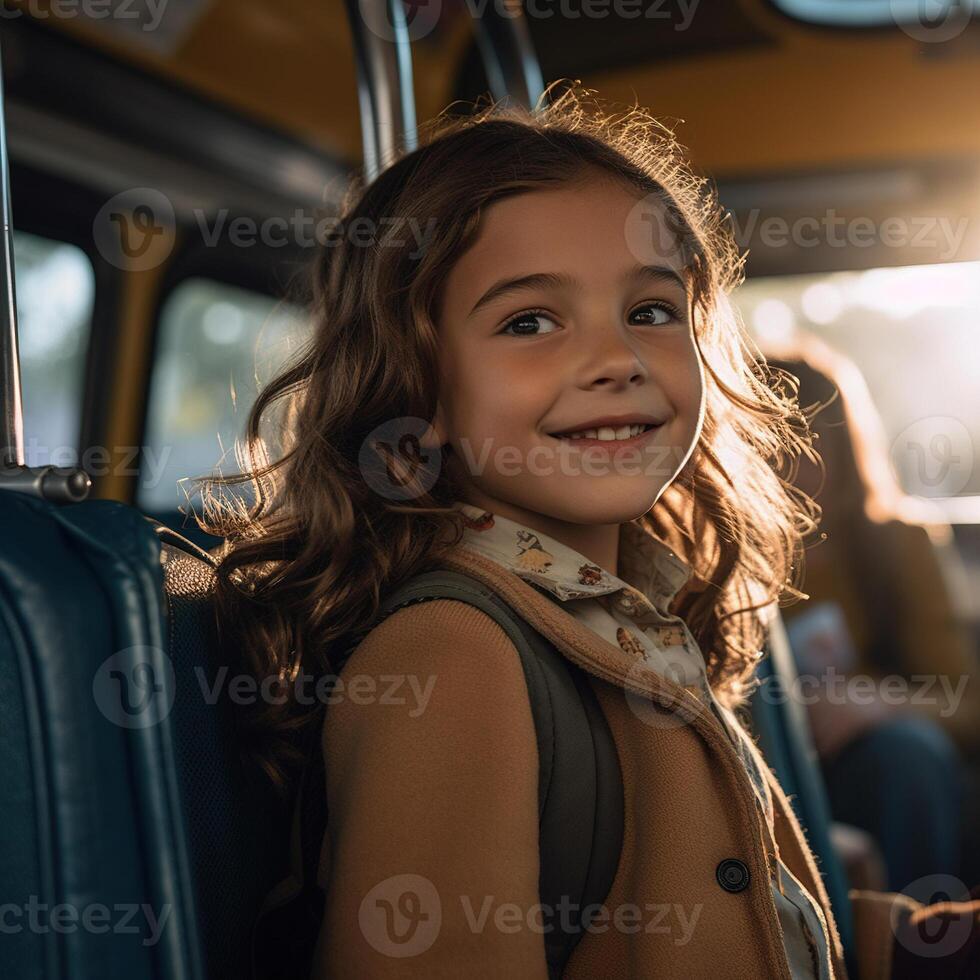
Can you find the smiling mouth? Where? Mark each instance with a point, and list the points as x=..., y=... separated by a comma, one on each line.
x=607, y=434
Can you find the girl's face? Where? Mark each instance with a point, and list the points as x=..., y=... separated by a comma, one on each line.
x=555, y=320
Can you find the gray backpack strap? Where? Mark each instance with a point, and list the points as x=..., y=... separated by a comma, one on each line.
x=580, y=787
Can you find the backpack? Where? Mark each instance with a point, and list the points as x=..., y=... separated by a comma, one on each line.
x=580, y=796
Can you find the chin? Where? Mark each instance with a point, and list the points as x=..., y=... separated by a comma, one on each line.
x=604, y=504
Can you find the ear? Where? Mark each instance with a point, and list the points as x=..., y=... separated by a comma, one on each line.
x=436, y=435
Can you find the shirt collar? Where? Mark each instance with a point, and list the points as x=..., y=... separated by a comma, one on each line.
x=647, y=565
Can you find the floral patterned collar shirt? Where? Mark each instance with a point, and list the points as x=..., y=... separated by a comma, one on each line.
x=631, y=611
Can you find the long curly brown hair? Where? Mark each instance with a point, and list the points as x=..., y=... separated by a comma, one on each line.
x=311, y=548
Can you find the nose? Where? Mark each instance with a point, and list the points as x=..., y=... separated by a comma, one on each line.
x=611, y=362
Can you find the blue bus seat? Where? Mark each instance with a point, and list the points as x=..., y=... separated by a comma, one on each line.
x=125, y=805
x=237, y=827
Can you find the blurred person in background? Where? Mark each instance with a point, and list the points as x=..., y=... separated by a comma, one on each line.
x=901, y=760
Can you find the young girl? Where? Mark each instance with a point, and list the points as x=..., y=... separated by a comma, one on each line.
x=548, y=391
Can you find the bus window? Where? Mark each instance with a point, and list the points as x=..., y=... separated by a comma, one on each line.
x=891, y=322
x=55, y=287
x=215, y=340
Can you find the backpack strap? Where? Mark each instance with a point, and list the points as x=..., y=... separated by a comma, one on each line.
x=580, y=787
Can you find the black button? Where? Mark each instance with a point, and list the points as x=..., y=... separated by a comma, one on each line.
x=732, y=875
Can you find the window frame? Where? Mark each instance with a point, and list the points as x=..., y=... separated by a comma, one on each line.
x=59, y=210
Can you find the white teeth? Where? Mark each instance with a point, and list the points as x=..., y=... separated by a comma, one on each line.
x=607, y=433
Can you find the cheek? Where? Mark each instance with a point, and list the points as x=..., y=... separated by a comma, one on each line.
x=684, y=387
x=493, y=409
x=685, y=383
x=475, y=407
x=494, y=397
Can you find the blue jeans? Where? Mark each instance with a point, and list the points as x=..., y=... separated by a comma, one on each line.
x=902, y=782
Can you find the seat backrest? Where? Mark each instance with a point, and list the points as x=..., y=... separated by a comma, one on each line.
x=237, y=830
x=132, y=845
x=94, y=829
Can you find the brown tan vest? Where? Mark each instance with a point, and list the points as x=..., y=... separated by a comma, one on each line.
x=689, y=806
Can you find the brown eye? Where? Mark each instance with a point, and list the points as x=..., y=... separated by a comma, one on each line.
x=654, y=314
x=526, y=324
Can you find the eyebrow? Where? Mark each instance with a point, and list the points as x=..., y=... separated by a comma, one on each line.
x=653, y=274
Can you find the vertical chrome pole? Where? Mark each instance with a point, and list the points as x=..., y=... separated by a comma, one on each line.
x=12, y=439
x=509, y=59
x=55, y=483
x=385, y=86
